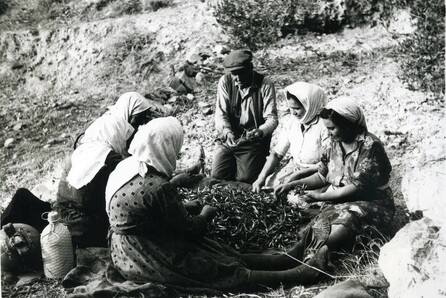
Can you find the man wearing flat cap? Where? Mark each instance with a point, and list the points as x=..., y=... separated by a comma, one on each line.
x=245, y=118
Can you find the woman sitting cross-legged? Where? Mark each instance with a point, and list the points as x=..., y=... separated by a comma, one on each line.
x=304, y=135
x=357, y=170
x=155, y=237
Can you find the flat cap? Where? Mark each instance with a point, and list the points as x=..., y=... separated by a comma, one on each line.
x=237, y=59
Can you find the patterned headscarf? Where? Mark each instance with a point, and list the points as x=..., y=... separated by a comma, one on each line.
x=311, y=96
x=348, y=108
x=155, y=144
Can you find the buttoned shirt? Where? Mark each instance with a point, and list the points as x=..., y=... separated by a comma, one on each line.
x=243, y=109
x=366, y=166
x=305, y=142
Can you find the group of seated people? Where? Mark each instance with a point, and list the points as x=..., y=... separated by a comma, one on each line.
x=118, y=189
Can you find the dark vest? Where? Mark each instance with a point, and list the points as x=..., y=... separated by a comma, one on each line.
x=256, y=107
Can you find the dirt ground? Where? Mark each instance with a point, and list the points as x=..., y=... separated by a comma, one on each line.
x=50, y=96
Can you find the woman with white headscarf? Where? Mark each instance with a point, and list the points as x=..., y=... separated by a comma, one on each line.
x=155, y=237
x=356, y=169
x=303, y=136
x=81, y=193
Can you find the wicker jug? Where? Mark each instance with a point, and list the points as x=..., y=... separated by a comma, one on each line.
x=57, y=248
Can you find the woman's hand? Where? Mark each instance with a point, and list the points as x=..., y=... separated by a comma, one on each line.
x=257, y=185
x=311, y=196
x=294, y=176
x=193, y=207
x=184, y=179
x=282, y=189
x=208, y=212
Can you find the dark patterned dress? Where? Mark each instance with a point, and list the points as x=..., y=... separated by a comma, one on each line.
x=368, y=168
x=154, y=239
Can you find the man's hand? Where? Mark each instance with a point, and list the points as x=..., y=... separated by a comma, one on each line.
x=254, y=134
x=230, y=139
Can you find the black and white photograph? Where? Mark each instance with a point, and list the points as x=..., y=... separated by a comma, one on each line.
x=222, y=148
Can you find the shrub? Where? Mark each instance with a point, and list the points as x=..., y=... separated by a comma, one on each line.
x=256, y=23
x=154, y=5
x=3, y=6
x=422, y=52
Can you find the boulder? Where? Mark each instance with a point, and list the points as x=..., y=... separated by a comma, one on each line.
x=413, y=261
x=345, y=289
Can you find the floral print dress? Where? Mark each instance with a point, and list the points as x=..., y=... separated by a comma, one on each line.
x=368, y=168
x=154, y=239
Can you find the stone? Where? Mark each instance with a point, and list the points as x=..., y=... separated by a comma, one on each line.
x=18, y=126
x=200, y=123
x=9, y=143
x=413, y=261
x=207, y=111
x=173, y=99
x=200, y=77
x=345, y=289
x=221, y=49
x=203, y=104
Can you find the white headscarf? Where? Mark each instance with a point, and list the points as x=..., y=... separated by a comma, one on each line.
x=109, y=132
x=348, y=108
x=129, y=104
x=311, y=96
x=155, y=144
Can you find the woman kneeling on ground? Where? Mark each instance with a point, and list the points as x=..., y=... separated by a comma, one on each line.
x=304, y=135
x=356, y=169
x=81, y=194
x=155, y=237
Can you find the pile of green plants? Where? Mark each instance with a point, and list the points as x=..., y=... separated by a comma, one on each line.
x=248, y=221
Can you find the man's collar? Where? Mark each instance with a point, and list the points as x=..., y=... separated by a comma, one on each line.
x=254, y=83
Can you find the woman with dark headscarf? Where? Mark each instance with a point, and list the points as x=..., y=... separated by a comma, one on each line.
x=154, y=237
x=303, y=136
x=356, y=169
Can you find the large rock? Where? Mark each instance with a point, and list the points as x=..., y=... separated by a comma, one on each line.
x=413, y=262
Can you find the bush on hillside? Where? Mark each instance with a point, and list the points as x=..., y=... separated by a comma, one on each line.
x=3, y=6
x=422, y=52
x=256, y=23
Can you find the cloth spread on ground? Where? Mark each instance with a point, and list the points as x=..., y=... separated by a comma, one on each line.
x=95, y=276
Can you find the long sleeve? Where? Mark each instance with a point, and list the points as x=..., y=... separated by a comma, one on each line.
x=175, y=216
x=222, y=107
x=268, y=93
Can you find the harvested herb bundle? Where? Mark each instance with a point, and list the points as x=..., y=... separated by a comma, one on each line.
x=248, y=221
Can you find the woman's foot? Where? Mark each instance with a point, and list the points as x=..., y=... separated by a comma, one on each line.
x=312, y=238
x=313, y=268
